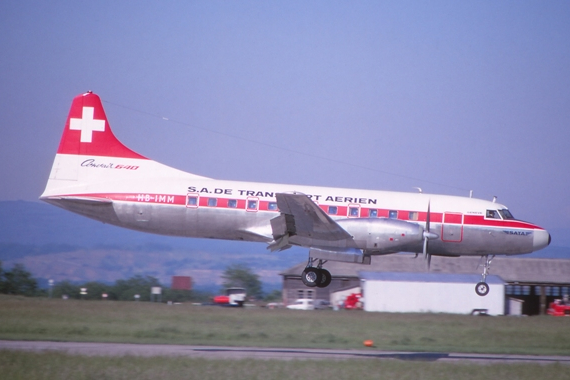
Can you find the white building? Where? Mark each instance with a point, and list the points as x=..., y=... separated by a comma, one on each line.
x=430, y=293
x=534, y=282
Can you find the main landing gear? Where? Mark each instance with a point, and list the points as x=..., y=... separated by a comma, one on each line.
x=482, y=288
x=316, y=276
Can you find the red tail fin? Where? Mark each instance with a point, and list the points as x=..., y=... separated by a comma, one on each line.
x=87, y=131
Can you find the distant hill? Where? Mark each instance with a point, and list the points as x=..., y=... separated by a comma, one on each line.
x=54, y=243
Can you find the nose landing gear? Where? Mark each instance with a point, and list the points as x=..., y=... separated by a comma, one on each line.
x=482, y=288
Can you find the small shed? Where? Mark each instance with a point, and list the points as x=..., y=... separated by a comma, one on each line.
x=430, y=293
x=181, y=283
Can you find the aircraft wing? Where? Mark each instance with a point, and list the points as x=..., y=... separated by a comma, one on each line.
x=302, y=217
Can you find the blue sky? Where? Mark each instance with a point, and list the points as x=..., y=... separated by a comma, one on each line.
x=444, y=95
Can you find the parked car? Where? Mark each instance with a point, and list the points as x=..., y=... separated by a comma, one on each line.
x=322, y=304
x=302, y=304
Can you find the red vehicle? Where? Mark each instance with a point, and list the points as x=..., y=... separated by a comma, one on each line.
x=353, y=301
x=233, y=297
x=559, y=308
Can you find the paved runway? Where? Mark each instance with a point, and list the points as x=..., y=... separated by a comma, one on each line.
x=221, y=352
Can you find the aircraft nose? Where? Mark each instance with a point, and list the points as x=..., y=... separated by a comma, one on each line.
x=541, y=239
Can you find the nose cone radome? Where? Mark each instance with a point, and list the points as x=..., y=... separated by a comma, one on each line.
x=541, y=239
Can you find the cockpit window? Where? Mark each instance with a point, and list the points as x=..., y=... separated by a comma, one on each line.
x=499, y=214
x=506, y=214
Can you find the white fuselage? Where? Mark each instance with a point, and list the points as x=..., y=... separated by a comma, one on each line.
x=182, y=204
x=95, y=175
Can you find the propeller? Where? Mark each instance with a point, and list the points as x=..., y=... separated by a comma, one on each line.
x=428, y=235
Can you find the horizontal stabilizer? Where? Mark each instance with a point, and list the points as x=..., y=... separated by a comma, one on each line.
x=78, y=199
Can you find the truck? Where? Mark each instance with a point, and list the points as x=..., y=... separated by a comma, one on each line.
x=233, y=297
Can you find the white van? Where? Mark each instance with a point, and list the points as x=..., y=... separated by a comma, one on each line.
x=302, y=304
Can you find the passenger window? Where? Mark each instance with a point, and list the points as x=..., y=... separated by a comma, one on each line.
x=232, y=203
x=212, y=202
x=393, y=214
x=192, y=201
x=373, y=213
x=353, y=211
x=272, y=206
x=492, y=214
x=252, y=205
x=333, y=210
x=413, y=215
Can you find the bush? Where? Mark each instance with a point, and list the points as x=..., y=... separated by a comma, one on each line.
x=17, y=281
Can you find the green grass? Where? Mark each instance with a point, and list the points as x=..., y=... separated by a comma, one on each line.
x=142, y=322
x=52, y=365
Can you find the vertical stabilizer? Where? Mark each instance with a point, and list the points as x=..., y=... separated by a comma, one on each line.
x=87, y=131
x=91, y=160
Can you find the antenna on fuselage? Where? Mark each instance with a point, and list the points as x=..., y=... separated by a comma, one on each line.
x=470, y=193
x=494, y=198
x=419, y=189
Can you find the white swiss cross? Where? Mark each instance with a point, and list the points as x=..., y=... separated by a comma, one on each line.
x=87, y=125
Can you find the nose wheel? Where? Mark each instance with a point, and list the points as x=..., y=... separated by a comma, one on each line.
x=482, y=289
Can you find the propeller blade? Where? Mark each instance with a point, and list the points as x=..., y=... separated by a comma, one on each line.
x=427, y=236
x=428, y=216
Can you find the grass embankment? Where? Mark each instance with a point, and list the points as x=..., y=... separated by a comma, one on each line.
x=143, y=322
x=34, y=366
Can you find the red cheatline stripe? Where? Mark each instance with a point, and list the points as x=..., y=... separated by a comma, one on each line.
x=342, y=211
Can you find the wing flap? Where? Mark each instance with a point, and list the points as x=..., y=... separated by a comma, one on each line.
x=302, y=217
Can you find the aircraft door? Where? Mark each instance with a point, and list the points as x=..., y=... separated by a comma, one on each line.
x=452, y=227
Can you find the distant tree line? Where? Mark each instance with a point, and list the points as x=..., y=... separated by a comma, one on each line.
x=126, y=290
x=19, y=281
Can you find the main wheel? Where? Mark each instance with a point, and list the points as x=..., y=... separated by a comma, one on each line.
x=326, y=278
x=482, y=289
x=311, y=277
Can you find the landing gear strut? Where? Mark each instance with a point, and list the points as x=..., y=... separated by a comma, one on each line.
x=482, y=288
x=316, y=276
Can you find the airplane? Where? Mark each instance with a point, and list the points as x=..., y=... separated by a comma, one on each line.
x=95, y=175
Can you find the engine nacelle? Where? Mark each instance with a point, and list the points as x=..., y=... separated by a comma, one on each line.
x=384, y=235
